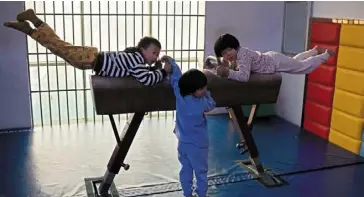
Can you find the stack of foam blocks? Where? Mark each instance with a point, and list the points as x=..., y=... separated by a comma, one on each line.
x=334, y=101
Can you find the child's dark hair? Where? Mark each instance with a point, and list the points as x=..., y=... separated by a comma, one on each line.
x=145, y=42
x=191, y=81
x=225, y=41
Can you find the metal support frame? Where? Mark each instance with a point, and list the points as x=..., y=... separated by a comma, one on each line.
x=253, y=165
x=106, y=183
x=104, y=186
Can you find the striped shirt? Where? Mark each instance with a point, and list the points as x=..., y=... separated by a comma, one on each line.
x=122, y=64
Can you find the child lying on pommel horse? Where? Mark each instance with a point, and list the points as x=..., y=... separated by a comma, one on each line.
x=130, y=62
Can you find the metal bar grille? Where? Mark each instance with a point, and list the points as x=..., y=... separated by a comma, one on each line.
x=61, y=95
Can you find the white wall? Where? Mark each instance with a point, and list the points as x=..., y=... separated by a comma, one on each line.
x=14, y=88
x=258, y=25
x=290, y=101
x=339, y=9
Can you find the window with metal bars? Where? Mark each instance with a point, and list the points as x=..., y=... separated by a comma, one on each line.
x=61, y=94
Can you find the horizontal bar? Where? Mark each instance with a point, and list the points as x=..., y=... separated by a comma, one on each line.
x=59, y=90
x=168, y=50
x=53, y=63
x=117, y=14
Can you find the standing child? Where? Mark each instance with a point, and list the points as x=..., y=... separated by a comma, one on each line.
x=192, y=101
x=131, y=62
x=244, y=61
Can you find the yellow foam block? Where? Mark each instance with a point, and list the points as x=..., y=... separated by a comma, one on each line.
x=344, y=141
x=351, y=81
x=348, y=102
x=347, y=124
x=352, y=35
x=351, y=58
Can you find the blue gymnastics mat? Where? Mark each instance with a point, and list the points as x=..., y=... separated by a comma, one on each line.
x=54, y=161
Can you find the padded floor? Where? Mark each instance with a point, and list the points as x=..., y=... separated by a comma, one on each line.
x=338, y=182
x=54, y=161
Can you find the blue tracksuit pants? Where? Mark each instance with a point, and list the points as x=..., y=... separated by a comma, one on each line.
x=194, y=160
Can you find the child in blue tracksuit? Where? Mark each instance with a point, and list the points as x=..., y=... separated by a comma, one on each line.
x=192, y=101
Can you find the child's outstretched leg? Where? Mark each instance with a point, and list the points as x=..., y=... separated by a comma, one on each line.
x=78, y=56
x=294, y=66
x=306, y=54
x=309, y=53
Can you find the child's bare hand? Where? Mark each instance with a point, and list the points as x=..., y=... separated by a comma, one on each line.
x=225, y=62
x=158, y=64
x=234, y=66
x=165, y=58
x=167, y=67
x=223, y=71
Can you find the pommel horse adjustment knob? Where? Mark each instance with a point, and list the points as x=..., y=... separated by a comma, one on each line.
x=240, y=145
x=244, y=151
x=125, y=166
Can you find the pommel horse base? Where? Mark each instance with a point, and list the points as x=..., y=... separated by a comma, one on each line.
x=125, y=95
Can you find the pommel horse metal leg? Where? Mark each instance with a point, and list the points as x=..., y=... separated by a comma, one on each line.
x=253, y=164
x=250, y=123
x=124, y=141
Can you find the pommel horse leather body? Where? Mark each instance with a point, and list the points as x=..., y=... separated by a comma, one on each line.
x=126, y=95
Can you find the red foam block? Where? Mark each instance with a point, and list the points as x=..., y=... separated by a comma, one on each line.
x=318, y=113
x=316, y=128
x=332, y=60
x=324, y=74
x=320, y=93
x=325, y=32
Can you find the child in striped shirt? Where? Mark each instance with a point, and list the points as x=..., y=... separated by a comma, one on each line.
x=130, y=62
x=244, y=61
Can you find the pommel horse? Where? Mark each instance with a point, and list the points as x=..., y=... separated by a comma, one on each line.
x=126, y=95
